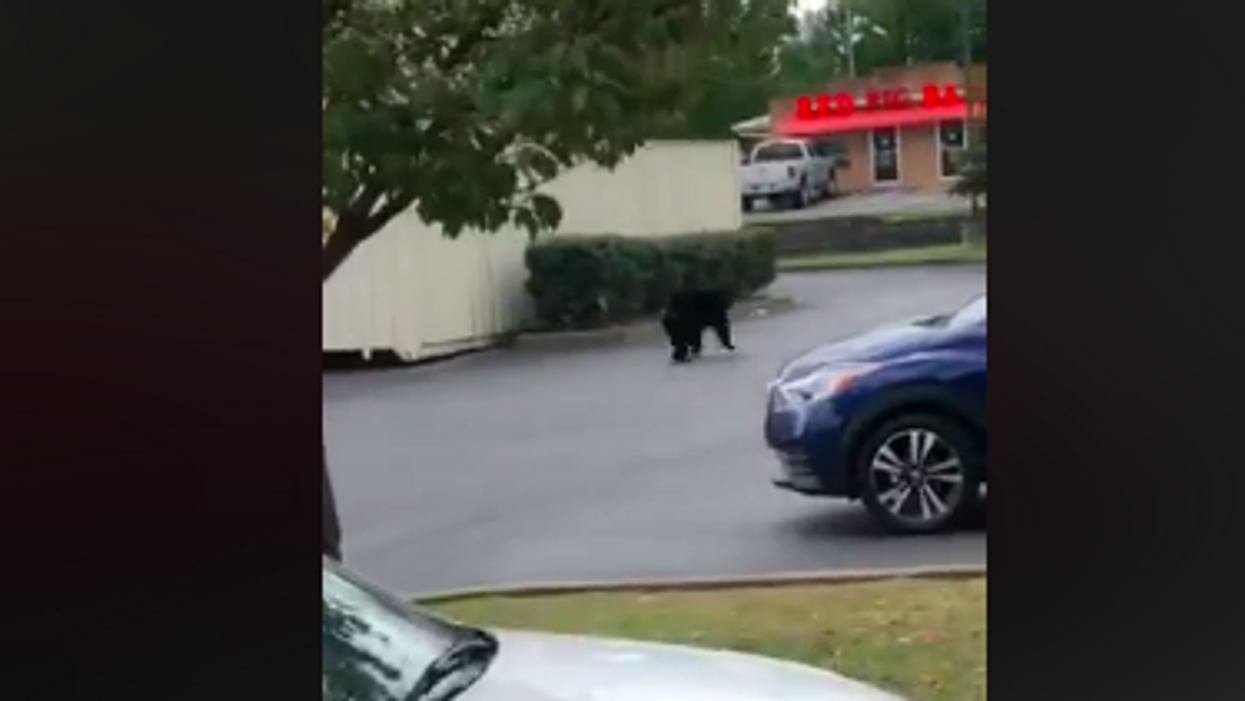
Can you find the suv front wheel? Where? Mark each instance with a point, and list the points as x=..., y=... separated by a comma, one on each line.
x=919, y=473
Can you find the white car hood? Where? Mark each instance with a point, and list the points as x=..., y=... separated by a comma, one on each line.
x=548, y=667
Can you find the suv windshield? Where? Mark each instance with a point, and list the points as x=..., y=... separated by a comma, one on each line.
x=374, y=647
x=778, y=152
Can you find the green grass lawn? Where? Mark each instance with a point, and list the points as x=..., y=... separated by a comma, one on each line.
x=926, y=215
x=925, y=255
x=922, y=638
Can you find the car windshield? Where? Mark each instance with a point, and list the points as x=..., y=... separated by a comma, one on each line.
x=778, y=152
x=972, y=313
x=375, y=647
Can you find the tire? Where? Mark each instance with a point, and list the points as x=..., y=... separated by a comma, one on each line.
x=748, y=204
x=799, y=198
x=919, y=501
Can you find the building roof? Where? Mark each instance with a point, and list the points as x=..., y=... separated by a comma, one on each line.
x=756, y=125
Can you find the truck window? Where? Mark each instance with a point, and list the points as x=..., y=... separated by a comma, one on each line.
x=828, y=148
x=786, y=151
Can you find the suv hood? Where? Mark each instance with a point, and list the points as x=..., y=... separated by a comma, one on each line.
x=880, y=344
x=549, y=667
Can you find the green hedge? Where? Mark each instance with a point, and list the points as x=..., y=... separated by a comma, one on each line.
x=588, y=282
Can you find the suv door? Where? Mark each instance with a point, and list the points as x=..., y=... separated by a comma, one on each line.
x=972, y=387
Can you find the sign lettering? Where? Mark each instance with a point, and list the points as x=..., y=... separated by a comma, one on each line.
x=844, y=104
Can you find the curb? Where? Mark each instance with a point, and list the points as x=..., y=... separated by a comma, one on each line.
x=876, y=266
x=517, y=591
x=388, y=362
x=645, y=331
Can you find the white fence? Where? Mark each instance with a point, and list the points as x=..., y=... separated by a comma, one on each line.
x=414, y=292
x=665, y=189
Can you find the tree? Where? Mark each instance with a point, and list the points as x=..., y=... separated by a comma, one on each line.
x=977, y=29
x=461, y=109
x=972, y=184
x=820, y=52
x=912, y=31
x=972, y=180
x=917, y=31
x=871, y=34
x=731, y=76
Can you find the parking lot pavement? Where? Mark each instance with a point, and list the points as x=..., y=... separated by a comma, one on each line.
x=876, y=203
x=518, y=466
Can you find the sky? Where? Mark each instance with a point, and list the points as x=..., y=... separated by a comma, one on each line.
x=803, y=6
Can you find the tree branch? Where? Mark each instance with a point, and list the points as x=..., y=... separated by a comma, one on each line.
x=337, y=249
x=353, y=226
x=393, y=207
x=357, y=225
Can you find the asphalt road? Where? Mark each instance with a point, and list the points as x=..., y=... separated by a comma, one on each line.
x=863, y=204
x=522, y=466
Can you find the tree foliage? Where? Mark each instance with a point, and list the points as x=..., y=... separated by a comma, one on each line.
x=884, y=33
x=918, y=31
x=461, y=108
x=820, y=52
x=733, y=75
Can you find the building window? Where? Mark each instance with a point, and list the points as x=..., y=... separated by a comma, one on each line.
x=884, y=153
x=951, y=141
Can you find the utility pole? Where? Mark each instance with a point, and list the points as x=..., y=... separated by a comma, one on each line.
x=966, y=35
x=851, y=40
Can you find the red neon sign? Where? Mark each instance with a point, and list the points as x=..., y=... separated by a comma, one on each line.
x=844, y=104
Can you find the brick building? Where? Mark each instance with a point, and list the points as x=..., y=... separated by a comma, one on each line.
x=898, y=127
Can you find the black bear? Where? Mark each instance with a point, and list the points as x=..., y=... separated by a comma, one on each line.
x=689, y=313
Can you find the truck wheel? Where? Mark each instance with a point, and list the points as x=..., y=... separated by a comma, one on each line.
x=799, y=198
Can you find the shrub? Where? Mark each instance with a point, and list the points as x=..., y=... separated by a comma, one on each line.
x=587, y=282
x=972, y=181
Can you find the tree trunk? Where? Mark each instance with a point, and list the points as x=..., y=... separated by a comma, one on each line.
x=341, y=243
x=352, y=229
x=973, y=229
x=332, y=525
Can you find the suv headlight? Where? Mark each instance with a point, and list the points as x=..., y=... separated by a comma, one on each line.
x=827, y=381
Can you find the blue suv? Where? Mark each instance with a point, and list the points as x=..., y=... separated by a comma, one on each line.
x=895, y=417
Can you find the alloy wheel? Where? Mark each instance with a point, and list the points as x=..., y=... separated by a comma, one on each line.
x=918, y=477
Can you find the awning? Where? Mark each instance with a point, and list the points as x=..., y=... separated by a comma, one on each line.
x=791, y=125
x=756, y=125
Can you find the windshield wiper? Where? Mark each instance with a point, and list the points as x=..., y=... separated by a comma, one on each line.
x=469, y=656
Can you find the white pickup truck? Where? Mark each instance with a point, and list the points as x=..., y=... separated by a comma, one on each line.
x=787, y=172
